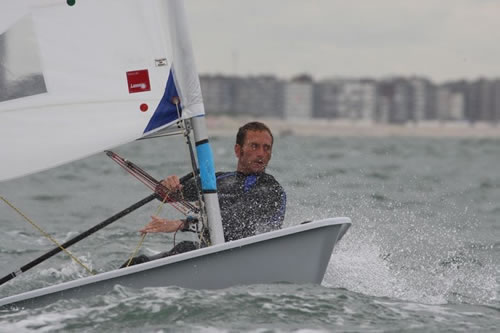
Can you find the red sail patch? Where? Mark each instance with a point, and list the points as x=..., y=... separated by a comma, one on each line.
x=138, y=81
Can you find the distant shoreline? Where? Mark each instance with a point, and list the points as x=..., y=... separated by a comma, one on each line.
x=227, y=126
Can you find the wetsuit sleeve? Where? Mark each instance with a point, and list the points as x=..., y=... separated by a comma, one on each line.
x=189, y=188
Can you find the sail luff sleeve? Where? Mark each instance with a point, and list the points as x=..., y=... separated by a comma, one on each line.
x=184, y=66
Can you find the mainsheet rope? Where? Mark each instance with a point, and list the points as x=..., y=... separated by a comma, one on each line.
x=158, y=210
x=48, y=236
x=182, y=208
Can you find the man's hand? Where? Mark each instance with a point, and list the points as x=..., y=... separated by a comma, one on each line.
x=162, y=225
x=172, y=183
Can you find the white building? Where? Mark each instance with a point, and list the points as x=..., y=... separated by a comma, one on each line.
x=346, y=99
x=449, y=105
x=217, y=94
x=298, y=100
x=419, y=99
x=357, y=100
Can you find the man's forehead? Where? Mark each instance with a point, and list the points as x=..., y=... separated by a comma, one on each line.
x=258, y=136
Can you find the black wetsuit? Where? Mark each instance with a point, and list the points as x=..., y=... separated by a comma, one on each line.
x=249, y=204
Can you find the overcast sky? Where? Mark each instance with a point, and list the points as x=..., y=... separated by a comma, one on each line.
x=439, y=39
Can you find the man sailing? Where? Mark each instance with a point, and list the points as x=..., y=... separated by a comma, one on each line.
x=251, y=201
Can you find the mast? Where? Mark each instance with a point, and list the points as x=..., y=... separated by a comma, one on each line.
x=208, y=180
x=188, y=85
x=3, y=61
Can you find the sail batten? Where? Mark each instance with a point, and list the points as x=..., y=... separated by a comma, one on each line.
x=89, y=77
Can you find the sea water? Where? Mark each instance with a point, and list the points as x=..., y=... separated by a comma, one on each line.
x=423, y=253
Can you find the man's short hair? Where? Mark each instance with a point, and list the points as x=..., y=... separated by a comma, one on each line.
x=252, y=126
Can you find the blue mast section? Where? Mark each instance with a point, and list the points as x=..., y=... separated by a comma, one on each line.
x=207, y=166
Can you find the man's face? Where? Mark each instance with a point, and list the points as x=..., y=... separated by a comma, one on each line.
x=255, y=153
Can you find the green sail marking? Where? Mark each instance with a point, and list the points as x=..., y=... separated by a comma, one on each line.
x=71, y=2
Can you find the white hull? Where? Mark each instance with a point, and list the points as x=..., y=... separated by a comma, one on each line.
x=298, y=254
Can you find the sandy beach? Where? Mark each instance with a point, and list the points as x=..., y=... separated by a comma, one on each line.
x=224, y=125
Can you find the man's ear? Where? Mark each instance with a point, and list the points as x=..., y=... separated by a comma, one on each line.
x=237, y=150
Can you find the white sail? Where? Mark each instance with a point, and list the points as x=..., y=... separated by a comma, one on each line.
x=76, y=79
x=81, y=76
